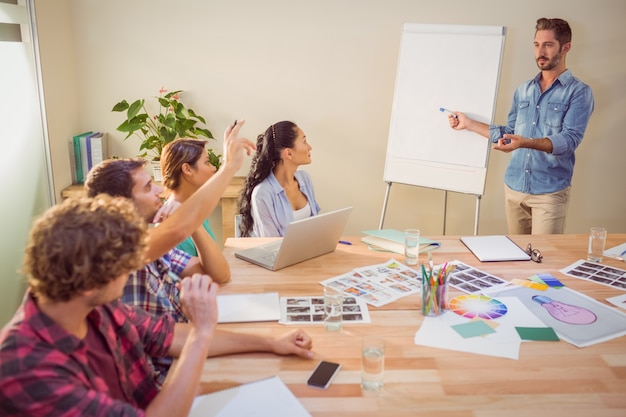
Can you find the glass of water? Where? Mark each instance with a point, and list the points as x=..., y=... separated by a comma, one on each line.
x=411, y=246
x=333, y=308
x=373, y=363
x=597, y=241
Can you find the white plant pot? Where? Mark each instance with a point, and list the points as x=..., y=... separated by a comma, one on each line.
x=156, y=170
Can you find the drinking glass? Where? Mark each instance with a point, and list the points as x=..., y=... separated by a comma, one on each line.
x=373, y=362
x=411, y=246
x=333, y=308
x=597, y=240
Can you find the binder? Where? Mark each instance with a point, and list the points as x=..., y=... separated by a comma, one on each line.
x=96, y=149
x=80, y=161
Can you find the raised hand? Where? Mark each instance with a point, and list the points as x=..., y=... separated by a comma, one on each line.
x=166, y=210
x=198, y=295
x=234, y=145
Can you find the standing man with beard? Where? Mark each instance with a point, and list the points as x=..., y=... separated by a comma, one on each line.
x=546, y=124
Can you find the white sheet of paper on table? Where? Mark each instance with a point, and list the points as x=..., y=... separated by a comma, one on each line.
x=504, y=343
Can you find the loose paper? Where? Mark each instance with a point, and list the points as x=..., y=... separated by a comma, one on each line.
x=377, y=284
x=310, y=310
x=598, y=273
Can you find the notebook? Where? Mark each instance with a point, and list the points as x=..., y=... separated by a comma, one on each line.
x=393, y=240
x=304, y=239
x=237, y=308
x=494, y=248
x=617, y=252
x=266, y=397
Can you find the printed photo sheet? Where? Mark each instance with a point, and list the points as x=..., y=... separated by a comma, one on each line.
x=471, y=280
x=595, y=272
x=379, y=284
x=310, y=310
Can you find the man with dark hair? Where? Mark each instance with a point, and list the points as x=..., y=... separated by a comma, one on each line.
x=546, y=123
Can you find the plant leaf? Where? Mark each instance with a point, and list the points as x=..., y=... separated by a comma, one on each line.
x=134, y=109
x=193, y=114
x=203, y=132
x=214, y=159
x=121, y=106
x=172, y=121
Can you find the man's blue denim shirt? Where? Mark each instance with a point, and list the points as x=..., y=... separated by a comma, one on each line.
x=560, y=113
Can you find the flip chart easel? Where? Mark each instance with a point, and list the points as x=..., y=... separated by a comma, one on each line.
x=451, y=66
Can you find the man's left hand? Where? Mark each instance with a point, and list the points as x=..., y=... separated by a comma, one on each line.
x=508, y=143
x=296, y=342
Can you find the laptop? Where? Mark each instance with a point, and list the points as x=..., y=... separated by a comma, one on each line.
x=304, y=239
x=494, y=248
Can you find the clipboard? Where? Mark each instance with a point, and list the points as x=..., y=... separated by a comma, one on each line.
x=495, y=248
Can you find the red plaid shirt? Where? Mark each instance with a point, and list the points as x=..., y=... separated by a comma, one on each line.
x=44, y=370
x=153, y=289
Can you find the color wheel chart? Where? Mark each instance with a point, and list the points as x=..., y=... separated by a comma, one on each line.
x=477, y=306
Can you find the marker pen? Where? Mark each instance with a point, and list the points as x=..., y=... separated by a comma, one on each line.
x=442, y=109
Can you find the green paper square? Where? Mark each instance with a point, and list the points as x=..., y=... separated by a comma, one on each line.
x=473, y=329
x=537, y=333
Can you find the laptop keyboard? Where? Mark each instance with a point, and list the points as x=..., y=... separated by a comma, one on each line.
x=270, y=256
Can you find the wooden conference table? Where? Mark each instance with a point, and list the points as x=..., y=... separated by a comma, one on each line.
x=549, y=379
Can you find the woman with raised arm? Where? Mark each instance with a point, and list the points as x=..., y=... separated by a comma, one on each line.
x=185, y=165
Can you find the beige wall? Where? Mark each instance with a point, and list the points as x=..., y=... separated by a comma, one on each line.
x=328, y=65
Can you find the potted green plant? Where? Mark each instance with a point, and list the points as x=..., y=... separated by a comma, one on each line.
x=172, y=121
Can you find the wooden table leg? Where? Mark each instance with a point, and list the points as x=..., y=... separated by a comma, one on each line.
x=229, y=210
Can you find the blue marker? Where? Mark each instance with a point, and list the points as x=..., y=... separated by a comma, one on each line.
x=441, y=109
x=345, y=242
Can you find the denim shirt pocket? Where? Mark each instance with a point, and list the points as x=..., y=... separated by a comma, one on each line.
x=555, y=113
x=524, y=114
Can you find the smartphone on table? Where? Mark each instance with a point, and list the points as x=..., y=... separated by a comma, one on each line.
x=323, y=374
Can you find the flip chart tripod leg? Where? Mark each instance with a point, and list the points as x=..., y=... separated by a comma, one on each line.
x=477, y=213
x=382, y=216
x=445, y=209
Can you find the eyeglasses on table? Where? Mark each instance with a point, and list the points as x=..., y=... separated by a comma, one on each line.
x=535, y=254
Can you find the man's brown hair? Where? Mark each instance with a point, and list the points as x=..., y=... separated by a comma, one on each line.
x=113, y=177
x=560, y=27
x=82, y=244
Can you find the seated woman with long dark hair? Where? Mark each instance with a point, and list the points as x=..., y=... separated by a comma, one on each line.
x=275, y=192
